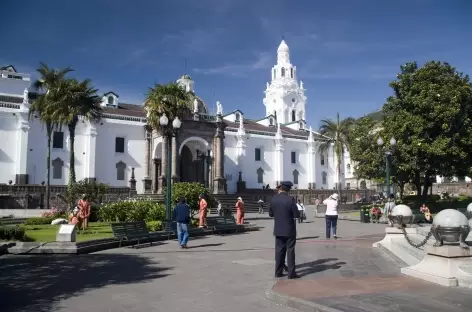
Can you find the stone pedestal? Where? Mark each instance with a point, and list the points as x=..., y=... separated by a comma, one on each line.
x=447, y=265
x=392, y=233
x=161, y=184
x=219, y=186
x=66, y=233
x=147, y=185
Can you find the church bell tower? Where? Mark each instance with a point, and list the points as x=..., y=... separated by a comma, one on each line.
x=284, y=97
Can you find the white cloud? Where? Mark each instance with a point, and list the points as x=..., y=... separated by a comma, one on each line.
x=263, y=60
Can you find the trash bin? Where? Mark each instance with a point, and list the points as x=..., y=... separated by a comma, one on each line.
x=365, y=215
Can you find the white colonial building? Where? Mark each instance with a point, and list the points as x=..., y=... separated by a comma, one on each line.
x=225, y=151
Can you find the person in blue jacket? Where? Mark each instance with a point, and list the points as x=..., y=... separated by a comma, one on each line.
x=182, y=218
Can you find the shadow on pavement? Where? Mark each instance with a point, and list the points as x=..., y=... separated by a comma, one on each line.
x=205, y=245
x=307, y=237
x=36, y=283
x=316, y=266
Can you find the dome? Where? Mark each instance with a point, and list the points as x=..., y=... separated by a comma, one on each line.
x=283, y=48
x=450, y=218
x=185, y=76
x=402, y=210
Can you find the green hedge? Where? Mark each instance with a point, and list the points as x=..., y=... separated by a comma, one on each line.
x=11, y=232
x=39, y=220
x=191, y=190
x=132, y=210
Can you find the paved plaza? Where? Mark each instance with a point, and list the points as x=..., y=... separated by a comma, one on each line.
x=225, y=273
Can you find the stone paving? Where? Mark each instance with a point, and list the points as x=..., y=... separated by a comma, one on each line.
x=228, y=273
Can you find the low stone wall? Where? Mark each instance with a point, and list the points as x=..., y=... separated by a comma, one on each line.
x=461, y=188
x=22, y=213
x=33, y=196
x=341, y=208
x=308, y=197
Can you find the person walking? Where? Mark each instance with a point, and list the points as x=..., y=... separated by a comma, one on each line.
x=261, y=206
x=203, y=211
x=331, y=215
x=389, y=205
x=182, y=218
x=239, y=211
x=219, y=209
x=284, y=210
x=301, y=211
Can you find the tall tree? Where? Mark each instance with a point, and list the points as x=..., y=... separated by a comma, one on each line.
x=337, y=132
x=430, y=115
x=49, y=97
x=79, y=99
x=171, y=99
x=364, y=152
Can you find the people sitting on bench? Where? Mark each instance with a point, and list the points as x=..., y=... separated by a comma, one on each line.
x=376, y=214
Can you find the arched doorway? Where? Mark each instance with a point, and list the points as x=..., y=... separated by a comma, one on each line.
x=195, y=161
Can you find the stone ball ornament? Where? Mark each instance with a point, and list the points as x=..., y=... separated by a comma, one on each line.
x=401, y=215
x=469, y=211
x=450, y=226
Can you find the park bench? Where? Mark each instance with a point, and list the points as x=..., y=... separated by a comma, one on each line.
x=223, y=224
x=132, y=231
x=191, y=230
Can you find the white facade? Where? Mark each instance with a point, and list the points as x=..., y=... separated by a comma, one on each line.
x=275, y=148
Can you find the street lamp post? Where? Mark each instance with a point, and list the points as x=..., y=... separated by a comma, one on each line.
x=388, y=154
x=169, y=131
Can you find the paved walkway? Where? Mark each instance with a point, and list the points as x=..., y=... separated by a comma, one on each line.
x=218, y=273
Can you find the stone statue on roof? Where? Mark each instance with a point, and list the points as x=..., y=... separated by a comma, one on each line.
x=219, y=108
x=25, y=95
x=195, y=106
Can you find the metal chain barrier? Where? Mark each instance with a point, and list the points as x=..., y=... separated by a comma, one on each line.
x=412, y=243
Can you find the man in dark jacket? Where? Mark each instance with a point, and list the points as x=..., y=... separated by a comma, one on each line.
x=283, y=209
x=182, y=218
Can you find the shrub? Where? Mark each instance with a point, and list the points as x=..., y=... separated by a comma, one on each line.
x=94, y=209
x=12, y=232
x=154, y=226
x=191, y=190
x=54, y=213
x=92, y=189
x=39, y=220
x=132, y=210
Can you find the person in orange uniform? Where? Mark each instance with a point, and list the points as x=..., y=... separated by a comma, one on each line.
x=74, y=217
x=203, y=211
x=84, y=211
x=240, y=211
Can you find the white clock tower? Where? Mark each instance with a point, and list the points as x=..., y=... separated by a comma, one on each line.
x=284, y=97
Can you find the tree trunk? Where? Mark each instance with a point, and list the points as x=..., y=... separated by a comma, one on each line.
x=402, y=189
x=418, y=183
x=425, y=185
x=48, y=164
x=71, y=184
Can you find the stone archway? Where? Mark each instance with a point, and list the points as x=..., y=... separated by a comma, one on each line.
x=195, y=161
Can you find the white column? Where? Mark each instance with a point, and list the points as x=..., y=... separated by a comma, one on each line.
x=279, y=156
x=90, y=151
x=21, y=160
x=311, y=152
x=241, y=145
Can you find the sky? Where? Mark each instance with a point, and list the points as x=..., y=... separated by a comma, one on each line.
x=346, y=51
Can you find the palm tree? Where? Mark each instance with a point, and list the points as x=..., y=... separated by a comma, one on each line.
x=170, y=99
x=79, y=99
x=47, y=83
x=337, y=135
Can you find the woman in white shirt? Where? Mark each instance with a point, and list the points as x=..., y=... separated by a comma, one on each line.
x=331, y=215
x=301, y=211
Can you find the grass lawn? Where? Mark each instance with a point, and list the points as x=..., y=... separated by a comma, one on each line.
x=47, y=233
x=352, y=214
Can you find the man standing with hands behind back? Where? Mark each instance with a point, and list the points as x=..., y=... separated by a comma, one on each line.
x=283, y=209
